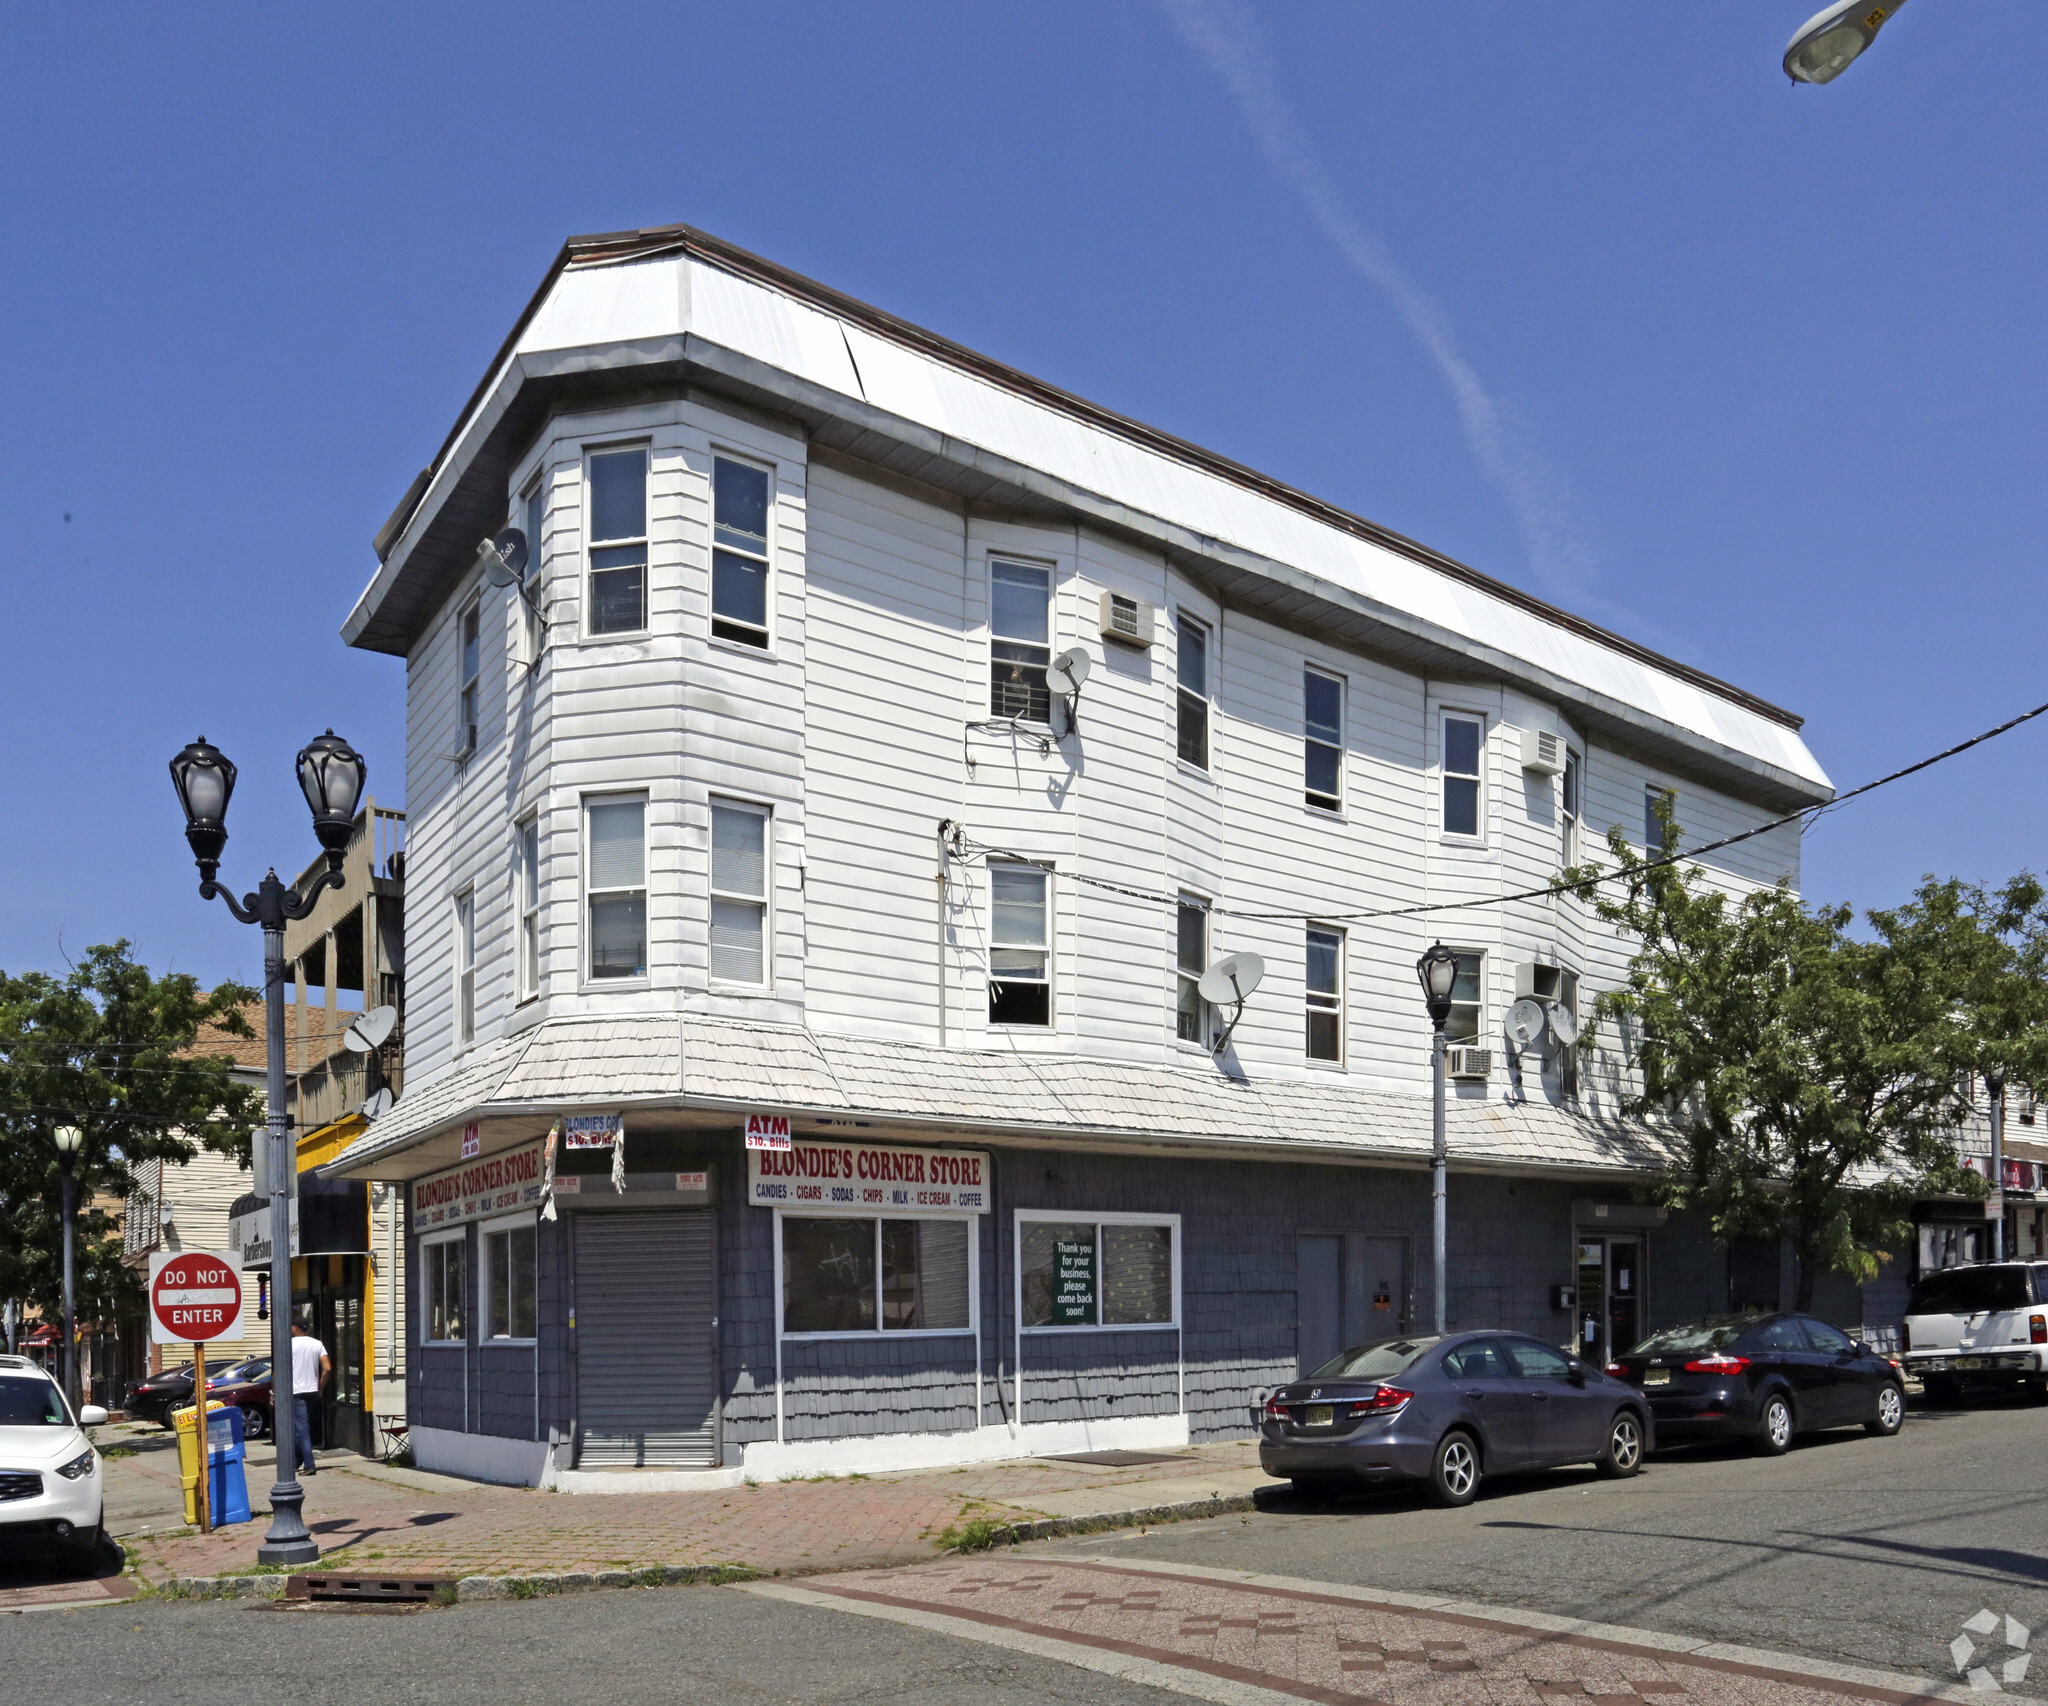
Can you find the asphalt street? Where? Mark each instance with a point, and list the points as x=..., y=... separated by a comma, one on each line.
x=1850, y=1549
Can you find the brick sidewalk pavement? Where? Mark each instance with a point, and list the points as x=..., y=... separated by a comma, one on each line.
x=365, y=1517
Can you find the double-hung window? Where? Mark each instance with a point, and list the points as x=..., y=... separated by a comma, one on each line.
x=534, y=589
x=508, y=1274
x=739, y=893
x=1660, y=809
x=444, y=1276
x=465, y=968
x=1019, y=640
x=1463, y=1024
x=615, y=867
x=1098, y=1270
x=1020, y=945
x=1568, y=803
x=1191, y=959
x=469, y=669
x=859, y=1274
x=739, y=552
x=1463, y=742
x=528, y=878
x=1191, y=695
x=1325, y=986
x=618, y=542
x=1322, y=757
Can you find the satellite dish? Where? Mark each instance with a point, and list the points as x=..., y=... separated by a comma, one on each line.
x=370, y=1029
x=1068, y=671
x=1061, y=716
x=1563, y=1026
x=1231, y=979
x=504, y=557
x=378, y=1105
x=1525, y=1023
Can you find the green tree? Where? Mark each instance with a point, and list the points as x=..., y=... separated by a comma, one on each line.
x=108, y=1049
x=1813, y=1076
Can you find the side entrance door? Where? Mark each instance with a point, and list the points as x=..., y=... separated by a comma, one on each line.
x=646, y=1348
x=1610, y=1297
x=1351, y=1288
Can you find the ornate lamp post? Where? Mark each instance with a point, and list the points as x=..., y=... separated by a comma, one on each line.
x=69, y=1140
x=1438, y=971
x=331, y=777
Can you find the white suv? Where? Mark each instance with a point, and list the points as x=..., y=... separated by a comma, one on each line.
x=1987, y=1323
x=51, y=1480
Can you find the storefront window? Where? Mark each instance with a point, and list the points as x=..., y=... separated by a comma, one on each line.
x=509, y=1282
x=445, y=1269
x=1098, y=1273
x=875, y=1275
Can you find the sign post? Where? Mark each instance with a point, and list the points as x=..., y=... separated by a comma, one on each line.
x=195, y=1297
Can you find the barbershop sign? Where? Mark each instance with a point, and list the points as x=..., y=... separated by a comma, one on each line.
x=496, y=1184
x=868, y=1178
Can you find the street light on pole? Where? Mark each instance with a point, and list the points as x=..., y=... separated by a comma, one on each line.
x=1823, y=47
x=69, y=1140
x=1438, y=972
x=331, y=776
x=1994, y=1084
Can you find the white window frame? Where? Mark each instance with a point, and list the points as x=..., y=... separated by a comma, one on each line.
x=1185, y=696
x=765, y=900
x=1050, y=949
x=1446, y=776
x=1477, y=1039
x=1311, y=998
x=850, y=1211
x=469, y=681
x=1183, y=979
x=465, y=967
x=765, y=557
x=1326, y=803
x=592, y=545
x=428, y=1240
x=1571, y=803
x=485, y=1230
x=1652, y=792
x=527, y=895
x=1010, y=559
x=533, y=592
x=587, y=979
x=1097, y=1218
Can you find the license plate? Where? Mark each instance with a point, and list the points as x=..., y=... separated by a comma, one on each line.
x=1321, y=1416
x=1656, y=1377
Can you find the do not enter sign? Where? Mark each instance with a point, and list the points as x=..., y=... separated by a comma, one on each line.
x=194, y=1297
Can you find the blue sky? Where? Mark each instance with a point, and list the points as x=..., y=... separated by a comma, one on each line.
x=1586, y=296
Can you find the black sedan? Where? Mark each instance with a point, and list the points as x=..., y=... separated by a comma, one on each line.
x=154, y=1399
x=1763, y=1378
x=1446, y=1411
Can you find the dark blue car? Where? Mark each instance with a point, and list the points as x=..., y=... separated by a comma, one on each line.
x=1447, y=1411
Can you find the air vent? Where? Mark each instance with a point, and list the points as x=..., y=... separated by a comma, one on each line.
x=1542, y=752
x=1469, y=1062
x=1126, y=619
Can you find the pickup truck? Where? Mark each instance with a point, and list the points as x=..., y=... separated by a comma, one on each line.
x=1986, y=1323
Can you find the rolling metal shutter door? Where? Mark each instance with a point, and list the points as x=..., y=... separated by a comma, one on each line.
x=647, y=1369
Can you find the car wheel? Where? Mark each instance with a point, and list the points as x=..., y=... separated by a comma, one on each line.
x=1454, y=1475
x=254, y=1423
x=1774, y=1427
x=1624, y=1454
x=2037, y=1390
x=1891, y=1412
x=164, y=1421
x=1942, y=1388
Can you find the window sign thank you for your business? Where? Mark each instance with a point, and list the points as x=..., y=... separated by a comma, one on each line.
x=822, y=1174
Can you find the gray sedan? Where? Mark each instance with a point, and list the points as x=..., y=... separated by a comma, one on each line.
x=1446, y=1411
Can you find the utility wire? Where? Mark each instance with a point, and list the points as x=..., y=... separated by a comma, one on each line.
x=1806, y=815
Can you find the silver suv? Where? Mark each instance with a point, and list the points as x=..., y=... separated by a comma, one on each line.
x=1986, y=1323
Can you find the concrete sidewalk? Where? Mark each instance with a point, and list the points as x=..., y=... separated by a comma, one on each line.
x=372, y=1518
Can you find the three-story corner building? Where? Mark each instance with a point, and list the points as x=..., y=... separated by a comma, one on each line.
x=763, y=802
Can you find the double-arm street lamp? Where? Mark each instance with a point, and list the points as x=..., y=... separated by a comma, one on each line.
x=331, y=776
x=69, y=1141
x=1438, y=970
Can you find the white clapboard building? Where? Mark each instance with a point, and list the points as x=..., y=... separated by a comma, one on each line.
x=766, y=790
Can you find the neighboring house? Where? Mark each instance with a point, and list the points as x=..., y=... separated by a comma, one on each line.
x=761, y=802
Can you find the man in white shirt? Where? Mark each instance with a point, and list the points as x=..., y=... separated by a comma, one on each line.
x=310, y=1369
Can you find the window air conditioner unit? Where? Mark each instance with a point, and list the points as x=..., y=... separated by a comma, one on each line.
x=1469, y=1062
x=1126, y=619
x=1542, y=752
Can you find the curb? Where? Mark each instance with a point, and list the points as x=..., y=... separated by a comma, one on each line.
x=225, y=1587
x=1054, y=1527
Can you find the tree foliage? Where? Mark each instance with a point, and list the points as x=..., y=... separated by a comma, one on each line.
x=1815, y=1076
x=108, y=1049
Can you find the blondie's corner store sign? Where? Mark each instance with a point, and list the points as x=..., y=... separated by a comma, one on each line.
x=496, y=1184
x=815, y=1174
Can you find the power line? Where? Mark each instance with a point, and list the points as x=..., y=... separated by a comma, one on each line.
x=1806, y=815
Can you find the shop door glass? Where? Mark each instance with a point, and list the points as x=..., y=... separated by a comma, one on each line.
x=1624, y=1297
x=1592, y=1298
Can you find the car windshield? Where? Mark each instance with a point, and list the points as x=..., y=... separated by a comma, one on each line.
x=32, y=1404
x=1970, y=1291
x=1715, y=1335
x=1367, y=1362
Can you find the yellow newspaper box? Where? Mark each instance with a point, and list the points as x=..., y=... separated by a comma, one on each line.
x=190, y=1455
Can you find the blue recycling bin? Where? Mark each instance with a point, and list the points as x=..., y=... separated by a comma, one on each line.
x=227, y=1486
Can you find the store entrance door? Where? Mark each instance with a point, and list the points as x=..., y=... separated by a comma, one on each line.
x=1610, y=1296
x=335, y=1294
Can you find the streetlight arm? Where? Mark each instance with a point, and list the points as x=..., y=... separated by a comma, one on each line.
x=272, y=903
